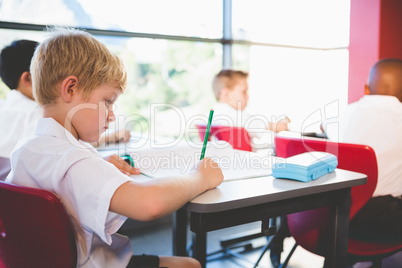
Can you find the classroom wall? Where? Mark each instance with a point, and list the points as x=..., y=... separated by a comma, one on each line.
x=391, y=29
x=375, y=33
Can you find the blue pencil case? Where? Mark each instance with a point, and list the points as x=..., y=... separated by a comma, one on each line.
x=304, y=167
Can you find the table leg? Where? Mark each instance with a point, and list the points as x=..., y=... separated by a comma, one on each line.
x=180, y=233
x=339, y=231
x=200, y=248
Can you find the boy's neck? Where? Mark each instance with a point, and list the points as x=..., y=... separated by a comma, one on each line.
x=59, y=113
x=233, y=106
x=26, y=92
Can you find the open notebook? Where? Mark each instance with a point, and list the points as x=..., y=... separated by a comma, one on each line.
x=182, y=159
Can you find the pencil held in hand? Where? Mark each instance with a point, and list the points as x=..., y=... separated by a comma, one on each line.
x=211, y=114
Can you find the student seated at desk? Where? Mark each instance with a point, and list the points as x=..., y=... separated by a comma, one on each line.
x=231, y=91
x=76, y=80
x=376, y=120
x=19, y=111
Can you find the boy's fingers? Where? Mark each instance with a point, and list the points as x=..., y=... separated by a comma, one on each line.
x=122, y=165
x=132, y=170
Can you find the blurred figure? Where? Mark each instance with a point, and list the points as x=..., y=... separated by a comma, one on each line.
x=231, y=91
x=376, y=120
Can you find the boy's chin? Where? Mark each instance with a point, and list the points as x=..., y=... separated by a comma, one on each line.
x=92, y=139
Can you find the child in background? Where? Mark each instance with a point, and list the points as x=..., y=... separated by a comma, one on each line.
x=376, y=120
x=19, y=111
x=76, y=80
x=231, y=91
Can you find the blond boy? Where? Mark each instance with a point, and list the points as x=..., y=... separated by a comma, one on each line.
x=76, y=80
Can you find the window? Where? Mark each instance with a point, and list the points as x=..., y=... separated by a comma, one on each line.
x=296, y=53
x=173, y=17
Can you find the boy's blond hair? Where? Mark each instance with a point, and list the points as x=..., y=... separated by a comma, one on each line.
x=227, y=79
x=73, y=52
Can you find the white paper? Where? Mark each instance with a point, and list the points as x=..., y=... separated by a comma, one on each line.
x=182, y=159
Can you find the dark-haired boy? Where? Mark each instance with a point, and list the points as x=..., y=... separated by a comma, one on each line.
x=19, y=111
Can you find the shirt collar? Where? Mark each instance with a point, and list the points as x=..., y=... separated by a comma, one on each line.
x=50, y=127
x=382, y=98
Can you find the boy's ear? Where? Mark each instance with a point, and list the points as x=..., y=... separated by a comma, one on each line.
x=366, y=90
x=25, y=85
x=69, y=87
x=26, y=78
x=223, y=95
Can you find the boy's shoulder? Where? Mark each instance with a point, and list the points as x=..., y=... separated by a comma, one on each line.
x=52, y=139
x=18, y=101
x=44, y=154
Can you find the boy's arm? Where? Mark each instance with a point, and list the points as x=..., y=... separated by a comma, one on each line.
x=155, y=198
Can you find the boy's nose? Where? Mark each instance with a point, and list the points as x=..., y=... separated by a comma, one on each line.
x=111, y=116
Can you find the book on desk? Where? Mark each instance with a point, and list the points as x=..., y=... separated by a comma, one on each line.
x=182, y=159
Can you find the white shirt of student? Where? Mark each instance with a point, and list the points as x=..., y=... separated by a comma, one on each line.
x=54, y=160
x=376, y=121
x=226, y=115
x=18, y=118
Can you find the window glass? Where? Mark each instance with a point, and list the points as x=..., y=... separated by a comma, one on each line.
x=298, y=83
x=173, y=17
x=241, y=57
x=309, y=23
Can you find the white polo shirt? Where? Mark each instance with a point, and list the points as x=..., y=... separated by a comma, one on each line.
x=18, y=118
x=54, y=160
x=376, y=121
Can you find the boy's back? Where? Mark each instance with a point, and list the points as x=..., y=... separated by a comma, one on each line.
x=55, y=161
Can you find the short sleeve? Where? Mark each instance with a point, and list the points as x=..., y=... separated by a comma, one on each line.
x=92, y=183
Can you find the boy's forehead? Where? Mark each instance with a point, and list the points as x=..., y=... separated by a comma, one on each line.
x=241, y=83
x=239, y=88
x=107, y=89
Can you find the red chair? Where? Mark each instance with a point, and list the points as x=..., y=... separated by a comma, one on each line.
x=238, y=137
x=35, y=230
x=309, y=228
x=5, y=168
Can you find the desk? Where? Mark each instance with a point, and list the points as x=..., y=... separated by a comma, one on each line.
x=258, y=199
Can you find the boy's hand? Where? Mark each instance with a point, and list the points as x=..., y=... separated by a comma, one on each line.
x=210, y=172
x=121, y=135
x=281, y=125
x=122, y=165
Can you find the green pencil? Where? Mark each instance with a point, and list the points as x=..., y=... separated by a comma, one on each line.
x=204, y=147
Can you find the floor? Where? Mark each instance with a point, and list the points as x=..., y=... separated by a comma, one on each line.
x=156, y=238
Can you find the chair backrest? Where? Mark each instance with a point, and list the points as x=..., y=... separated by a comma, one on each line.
x=5, y=168
x=238, y=137
x=35, y=230
x=309, y=227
